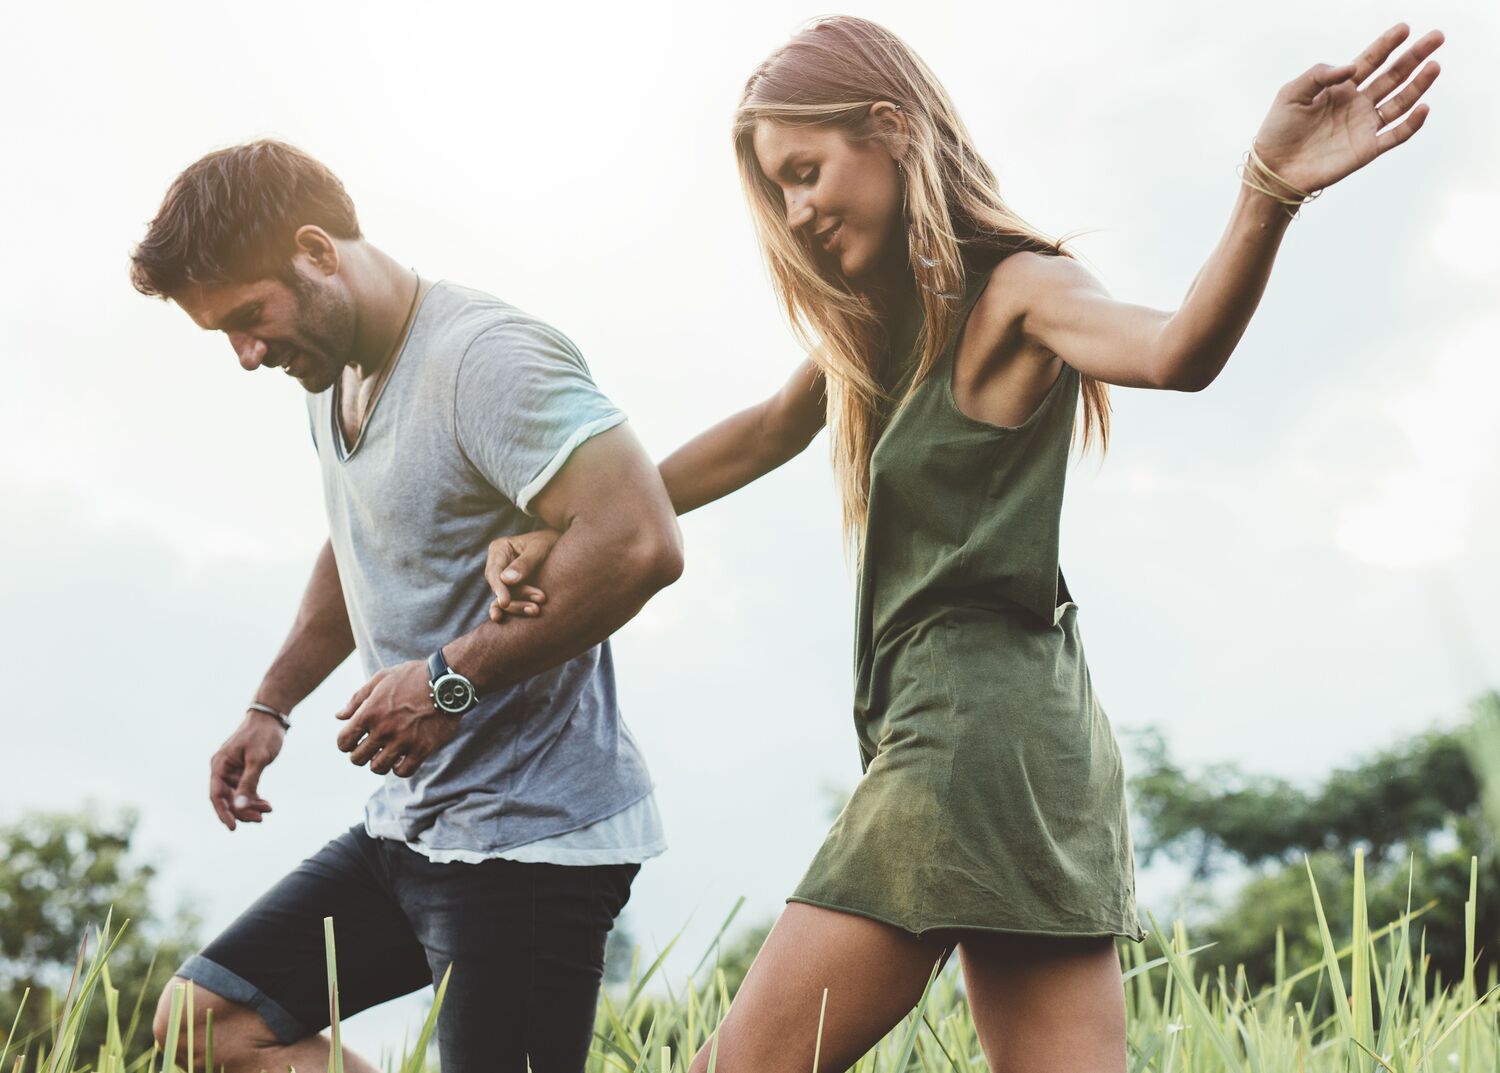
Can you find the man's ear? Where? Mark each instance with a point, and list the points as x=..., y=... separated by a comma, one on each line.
x=318, y=248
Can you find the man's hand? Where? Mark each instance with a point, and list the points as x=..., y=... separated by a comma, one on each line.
x=235, y=770
x=511, y=560
x=393, y=724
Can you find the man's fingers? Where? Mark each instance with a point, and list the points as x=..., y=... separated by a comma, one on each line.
x=221, y=789
x=218, y=797
x=249, y=779
x=366, y=750
x=353, y=730
x=386, y=759
x=247, y=803
x=360, y=695
x=407, y=766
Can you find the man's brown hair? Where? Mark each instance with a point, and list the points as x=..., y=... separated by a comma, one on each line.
x=233, y=215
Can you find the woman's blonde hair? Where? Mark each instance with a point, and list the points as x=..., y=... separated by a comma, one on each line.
x=831, y=73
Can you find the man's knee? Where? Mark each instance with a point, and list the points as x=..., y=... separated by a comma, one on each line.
x=236, y=1028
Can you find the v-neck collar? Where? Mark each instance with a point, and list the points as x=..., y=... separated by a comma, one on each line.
x=345, y=450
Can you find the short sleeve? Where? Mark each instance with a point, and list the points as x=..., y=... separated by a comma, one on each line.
x=524, y=401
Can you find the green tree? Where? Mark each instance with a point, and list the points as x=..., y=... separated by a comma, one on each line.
x=61, y=874
x=1415, y=809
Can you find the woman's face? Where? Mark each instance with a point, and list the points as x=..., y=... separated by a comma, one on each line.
x=842, y=197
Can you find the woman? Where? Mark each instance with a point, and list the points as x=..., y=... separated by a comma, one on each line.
x=954, y=343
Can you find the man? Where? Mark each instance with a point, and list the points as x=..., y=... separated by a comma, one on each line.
x=515, y=808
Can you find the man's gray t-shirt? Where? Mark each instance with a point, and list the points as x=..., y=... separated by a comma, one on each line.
x=483, y=407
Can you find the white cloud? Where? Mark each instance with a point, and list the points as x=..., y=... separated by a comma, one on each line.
x=1421, y=512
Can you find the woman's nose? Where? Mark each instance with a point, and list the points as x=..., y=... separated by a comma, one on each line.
x=799, y=213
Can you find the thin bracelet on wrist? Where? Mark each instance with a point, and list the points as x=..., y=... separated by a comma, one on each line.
x=1255, y=174
x=266, y=709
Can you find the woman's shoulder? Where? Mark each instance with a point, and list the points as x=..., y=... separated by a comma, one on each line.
x=1018, y=281
x=1015, y=287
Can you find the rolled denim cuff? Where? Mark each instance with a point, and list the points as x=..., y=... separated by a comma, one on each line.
x=286, y=1028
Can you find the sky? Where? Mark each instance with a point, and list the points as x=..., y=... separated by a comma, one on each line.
x=1287, y=571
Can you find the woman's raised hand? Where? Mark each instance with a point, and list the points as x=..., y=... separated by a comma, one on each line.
x=1332, y=121
x=511, y=560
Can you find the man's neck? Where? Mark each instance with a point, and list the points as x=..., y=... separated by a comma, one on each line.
x=384, y=293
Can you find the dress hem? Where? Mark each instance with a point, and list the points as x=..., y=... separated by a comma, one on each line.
x=921, y=932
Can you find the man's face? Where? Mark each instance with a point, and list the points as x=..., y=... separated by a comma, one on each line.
x=304, y=328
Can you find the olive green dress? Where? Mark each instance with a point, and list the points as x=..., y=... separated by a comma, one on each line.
x=993, y=793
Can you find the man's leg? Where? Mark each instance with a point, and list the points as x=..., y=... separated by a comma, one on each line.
x=526, y=946
x=266, y=976
x=242, y=1040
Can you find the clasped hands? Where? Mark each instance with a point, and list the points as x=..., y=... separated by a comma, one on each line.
x=392, y=723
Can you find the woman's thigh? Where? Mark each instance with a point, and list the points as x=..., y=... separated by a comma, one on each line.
x=874, y=974
x=1043, y=1004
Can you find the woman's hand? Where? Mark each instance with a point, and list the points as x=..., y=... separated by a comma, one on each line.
x=1332, y=121
x=511, y=560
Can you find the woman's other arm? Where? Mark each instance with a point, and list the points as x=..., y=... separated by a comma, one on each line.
x=714, y=463
x=748, y=444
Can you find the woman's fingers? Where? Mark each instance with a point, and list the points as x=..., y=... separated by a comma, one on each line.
x=528, y=559
x=1314, y=80
x=1388, y=80
x=1391, y=110
x=1371, y=59
x=1402, y=131
x=528, y=608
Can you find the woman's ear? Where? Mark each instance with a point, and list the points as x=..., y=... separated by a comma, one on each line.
x=889, y=123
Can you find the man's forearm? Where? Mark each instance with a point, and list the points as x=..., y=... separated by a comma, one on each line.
x=319, y=640
x=595, y=580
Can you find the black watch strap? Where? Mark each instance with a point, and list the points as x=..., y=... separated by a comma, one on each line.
x=452, y=692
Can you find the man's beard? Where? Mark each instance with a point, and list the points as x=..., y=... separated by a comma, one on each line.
x=326, y=326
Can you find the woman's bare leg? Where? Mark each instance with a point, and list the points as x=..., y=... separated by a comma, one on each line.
x=1044, y=1004
x=874, y=974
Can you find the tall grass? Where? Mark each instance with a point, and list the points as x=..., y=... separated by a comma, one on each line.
x=1387, y=1013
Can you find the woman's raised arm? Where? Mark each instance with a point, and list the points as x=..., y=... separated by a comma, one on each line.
x=1323, y=125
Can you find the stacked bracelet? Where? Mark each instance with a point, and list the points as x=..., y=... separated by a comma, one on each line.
x=280, y=717
x=1256, y=175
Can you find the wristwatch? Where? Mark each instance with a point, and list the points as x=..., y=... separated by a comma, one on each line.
x=452, y=693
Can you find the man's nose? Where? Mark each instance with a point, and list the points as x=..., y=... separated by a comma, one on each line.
x=250, y=350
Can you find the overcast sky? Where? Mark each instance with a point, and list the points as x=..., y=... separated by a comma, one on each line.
x=1288, y=570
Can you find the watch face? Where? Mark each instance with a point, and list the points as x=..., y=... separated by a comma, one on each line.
x=453, y=693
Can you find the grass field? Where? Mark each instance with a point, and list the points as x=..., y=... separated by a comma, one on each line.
x=1388, y=1013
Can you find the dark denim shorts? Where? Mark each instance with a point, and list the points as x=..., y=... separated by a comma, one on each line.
x=526, y=943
